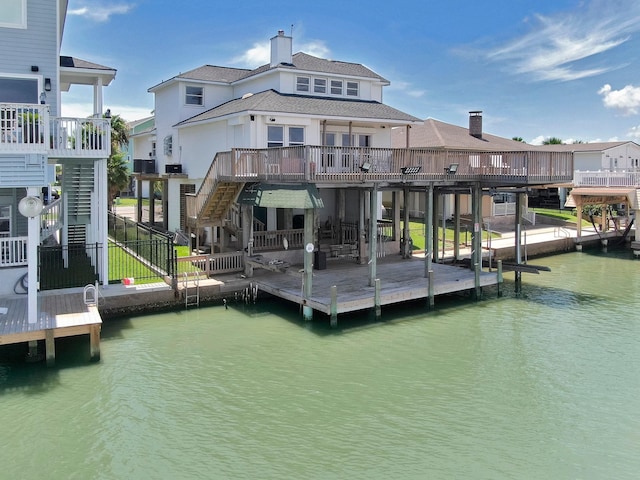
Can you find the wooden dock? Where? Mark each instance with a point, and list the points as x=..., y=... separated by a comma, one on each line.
x=400, y=280
x=60, y=315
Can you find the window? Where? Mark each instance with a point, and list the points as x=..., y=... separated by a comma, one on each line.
x=336, y=87
x=364, y=140
x=275, y=136
x=13, y=13
x=194, y=95
x=319, y=85
x=302, y=84
x=19, y=90
x=296, y=136
x=168, y=145
x=5, y=221
x=352, y=89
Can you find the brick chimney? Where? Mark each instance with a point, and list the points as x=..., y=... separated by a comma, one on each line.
x=281, y=49
x=475, y=124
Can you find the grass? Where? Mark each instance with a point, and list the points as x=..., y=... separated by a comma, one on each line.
x=416, y=232
x=564, y=215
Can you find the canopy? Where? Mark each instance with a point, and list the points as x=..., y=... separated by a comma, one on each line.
x=303, y=196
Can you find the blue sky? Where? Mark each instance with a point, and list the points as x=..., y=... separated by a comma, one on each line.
x=562, y=68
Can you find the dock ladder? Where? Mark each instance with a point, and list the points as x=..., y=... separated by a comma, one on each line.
x=191, y=299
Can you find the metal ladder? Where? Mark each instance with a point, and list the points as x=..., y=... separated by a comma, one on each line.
x=191, y=299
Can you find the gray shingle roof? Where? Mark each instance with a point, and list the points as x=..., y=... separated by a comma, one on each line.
x=300, y=61
x=581, y=147
x=271, y=101
x=436, y=134
x=72, y=62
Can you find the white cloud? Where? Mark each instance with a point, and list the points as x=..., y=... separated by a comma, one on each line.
x=556, y=46
x=538, y=140
x=627, y=99
x=100, y=13
x=634, y=132
x=260, y=53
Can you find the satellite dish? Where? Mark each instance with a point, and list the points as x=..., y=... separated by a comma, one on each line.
x=30, y=206
x=285, y=243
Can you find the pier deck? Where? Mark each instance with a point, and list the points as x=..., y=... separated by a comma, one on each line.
x=401, y=280
x=59, y=315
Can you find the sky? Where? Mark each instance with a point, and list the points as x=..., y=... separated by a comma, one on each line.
x=568, y=69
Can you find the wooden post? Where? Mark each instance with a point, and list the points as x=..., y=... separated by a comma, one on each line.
x=456, y=230
x=518, y=240
x=50, y=347
x=376, y=300
x=476, y=237
x=428, y=230
x=334, y=306
x=500, y=278
x=437, y=200
x=373, y=234
x=309, y=227
x=94, y=342
x=432, y=297
x=406, y=247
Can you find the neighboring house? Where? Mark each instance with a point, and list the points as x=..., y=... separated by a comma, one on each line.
x=34, y=138
x=142, y=147
x=296, y=155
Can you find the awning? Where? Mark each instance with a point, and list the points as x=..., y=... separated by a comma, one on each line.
x=600, y=196
x=281, y=196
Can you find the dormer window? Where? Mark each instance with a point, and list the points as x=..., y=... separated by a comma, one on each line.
x=352, y=89
x=336, y=87
x=302, y=84
x=194, y=96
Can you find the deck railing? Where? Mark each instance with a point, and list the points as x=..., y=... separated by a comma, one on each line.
x=29, y=128
x=51, y=219
x=214, y=264
x=327, y=164
x=274, y=239
x=606, y=179
x=13, y=251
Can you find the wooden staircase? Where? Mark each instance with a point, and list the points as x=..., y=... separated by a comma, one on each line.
x=212, y=202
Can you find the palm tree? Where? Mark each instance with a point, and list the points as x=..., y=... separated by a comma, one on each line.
x=117, y=169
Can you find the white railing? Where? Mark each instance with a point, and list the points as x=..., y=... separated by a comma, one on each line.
x=503, y=209
x=208, y=265
x=606, y=179
x=29, y=128
x=13, y=251
x=274, y=239
x=51, y=219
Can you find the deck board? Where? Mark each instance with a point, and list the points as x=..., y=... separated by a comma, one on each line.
x=401, y=280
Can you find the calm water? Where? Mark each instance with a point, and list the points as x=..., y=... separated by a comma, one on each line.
x=541, y=385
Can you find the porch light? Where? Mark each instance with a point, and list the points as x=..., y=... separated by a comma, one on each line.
x=411, y=170
x=365, y=167
x=43, y=98
x=47, y=84
x=451, y=169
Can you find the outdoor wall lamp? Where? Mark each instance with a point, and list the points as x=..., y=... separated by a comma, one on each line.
x=365, y=167
x=43, y=98
x=451, y=169
x=47, y=84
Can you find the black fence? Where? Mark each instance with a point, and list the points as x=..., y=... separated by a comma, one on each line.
x=138, y=251
x=67, y=266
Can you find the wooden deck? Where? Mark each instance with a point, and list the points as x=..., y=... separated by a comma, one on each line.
x=60, y=315
x=401, y=280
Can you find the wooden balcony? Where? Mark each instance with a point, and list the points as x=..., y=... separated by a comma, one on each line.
x=348, y=165
x=29, y=128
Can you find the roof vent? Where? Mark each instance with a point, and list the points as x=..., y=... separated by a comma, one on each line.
x=475, y=123
x=247, y=95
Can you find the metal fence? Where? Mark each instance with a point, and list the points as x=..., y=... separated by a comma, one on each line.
x=67, y=266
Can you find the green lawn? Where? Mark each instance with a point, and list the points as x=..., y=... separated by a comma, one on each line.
x=416, y=232
x=564, y=215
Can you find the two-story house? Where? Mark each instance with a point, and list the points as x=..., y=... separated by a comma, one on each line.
x=34, y=139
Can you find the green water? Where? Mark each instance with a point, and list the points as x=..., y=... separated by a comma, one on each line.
x=544, y=385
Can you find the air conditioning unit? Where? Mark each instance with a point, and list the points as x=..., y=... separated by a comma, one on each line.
x=173, y=168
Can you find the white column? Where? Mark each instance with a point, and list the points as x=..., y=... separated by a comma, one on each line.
x=33, y=240
x=97, y=98
x=102, y=233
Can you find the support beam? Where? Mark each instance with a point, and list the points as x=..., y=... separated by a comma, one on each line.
x=373, y=235
x=437, y=200
x=376, y=300
x=139, y=195
x=247, y=235
x=518, y=240
x=165, y=205
x=428, y=230
x=476, y=237
x=456, y=228
x=362, y=244
x=406, y=247
x=33, y=240
x=307, y=291
x=334, y=306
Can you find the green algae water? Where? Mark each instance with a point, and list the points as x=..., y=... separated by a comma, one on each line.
x=544, y=384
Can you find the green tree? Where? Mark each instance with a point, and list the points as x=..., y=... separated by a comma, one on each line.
x=552, y=141
x=518, y=139
x=117, y=175
x=117, y=169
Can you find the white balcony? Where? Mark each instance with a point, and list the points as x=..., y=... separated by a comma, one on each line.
x=13, y=251
x=29, y=128
x=629, y=178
